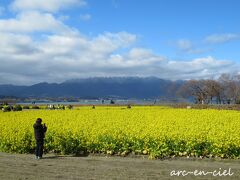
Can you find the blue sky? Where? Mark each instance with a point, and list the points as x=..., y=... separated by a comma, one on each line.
x=172, y=39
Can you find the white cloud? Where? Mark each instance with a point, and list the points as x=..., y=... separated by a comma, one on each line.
x=221, y=38
x=201, y=68
x=85, y=17
x=109, y=42
x=135, y=60
x=62, y=57
x=186, y=46
x=33, y=21
x=46, y=6
x=15, y=44
x=144, y=56
x=137, y=53
x=58, y=57
x=37, y=46
x=199, y=64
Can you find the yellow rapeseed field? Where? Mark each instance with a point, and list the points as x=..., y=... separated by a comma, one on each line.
x=156, y=131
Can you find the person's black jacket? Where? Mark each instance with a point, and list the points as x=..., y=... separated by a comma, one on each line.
x=39, y=131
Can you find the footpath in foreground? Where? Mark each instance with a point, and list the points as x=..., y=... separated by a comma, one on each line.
x=22, y=166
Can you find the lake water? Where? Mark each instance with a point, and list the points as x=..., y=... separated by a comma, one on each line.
x=95, y=102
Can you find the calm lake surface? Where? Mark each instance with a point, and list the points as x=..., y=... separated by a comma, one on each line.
x=95, y=102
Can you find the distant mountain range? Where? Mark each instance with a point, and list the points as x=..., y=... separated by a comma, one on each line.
x=98, y=87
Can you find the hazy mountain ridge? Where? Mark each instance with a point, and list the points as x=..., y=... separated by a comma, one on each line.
x=98, y=87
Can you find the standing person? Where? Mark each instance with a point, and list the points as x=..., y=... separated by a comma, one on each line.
x=39, y=132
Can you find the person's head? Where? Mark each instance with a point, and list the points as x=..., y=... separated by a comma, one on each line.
x=39, y=121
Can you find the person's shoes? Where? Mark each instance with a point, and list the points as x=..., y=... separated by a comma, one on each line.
x=39, y=157
x=36, y=157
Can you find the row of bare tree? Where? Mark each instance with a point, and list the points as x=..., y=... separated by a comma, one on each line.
x=224, y=90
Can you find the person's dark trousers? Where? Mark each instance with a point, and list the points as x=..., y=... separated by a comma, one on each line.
x=39, y=147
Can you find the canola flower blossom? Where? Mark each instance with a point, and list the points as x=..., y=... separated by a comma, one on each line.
x=155, y=131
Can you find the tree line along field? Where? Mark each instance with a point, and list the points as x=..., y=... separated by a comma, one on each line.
x=156, y=131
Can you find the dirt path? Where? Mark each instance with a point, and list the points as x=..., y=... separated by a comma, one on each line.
x=21, y=166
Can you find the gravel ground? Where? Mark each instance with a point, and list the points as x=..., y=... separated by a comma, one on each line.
x=24, y=166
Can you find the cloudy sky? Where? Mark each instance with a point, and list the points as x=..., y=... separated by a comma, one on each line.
x=57, y=40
